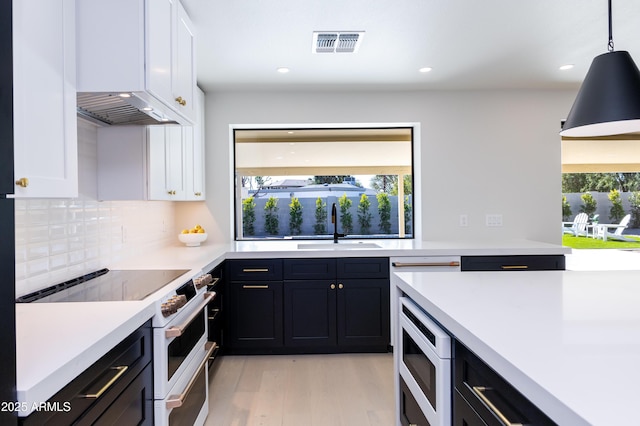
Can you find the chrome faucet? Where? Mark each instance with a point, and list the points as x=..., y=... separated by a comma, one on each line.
x=334, y=220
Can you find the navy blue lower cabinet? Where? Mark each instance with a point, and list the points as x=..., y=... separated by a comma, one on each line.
x=308, y=305
x=482, y=397
x=310, y=315
x=336, y=305
x=513, y=263
x=254, y=316
x=116, y=389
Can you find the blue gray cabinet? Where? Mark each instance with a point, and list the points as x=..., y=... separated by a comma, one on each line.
x=118, y=388
x=482, y=397
x=317, y=305
x=336, y=305
x=254, y=305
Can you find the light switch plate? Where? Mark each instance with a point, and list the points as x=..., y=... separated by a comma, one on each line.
x=494, y=220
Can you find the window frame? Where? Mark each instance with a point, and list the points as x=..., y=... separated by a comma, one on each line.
x=236, y=184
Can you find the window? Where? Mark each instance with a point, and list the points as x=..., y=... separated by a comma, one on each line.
x=288, y=179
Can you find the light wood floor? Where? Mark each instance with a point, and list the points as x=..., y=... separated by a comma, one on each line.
x=326, y=390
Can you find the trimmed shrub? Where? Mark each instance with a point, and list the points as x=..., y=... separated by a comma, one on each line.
x=364, y=217
x=407, y=215
x=589, y=204
x=634, y=203
x=271, y=216
x=320, y=227
x=616, y=212
x=346, y=221
x=295, y=216
x=248, y=216
x=566, y=208
x=384, y=211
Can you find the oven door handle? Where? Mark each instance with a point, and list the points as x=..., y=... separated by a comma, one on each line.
x=175, y=401
x=178, y=330
x=427, y=264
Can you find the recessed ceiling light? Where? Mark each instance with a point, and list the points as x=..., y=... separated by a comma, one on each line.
x=565, y=67
x=283, y=70
x=290, y=132
x=125, y=95
x=425, y=69
x=147, y=109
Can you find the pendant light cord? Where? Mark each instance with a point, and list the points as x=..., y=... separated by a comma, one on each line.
x=610, y=30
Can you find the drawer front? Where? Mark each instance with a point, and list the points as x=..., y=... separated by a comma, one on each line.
x=309, y=269
x=254, y=270
x=100, y=384
x=513, y=263
x=363, y=267
x=490, y=395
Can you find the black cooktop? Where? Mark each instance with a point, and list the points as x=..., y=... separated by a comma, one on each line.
x=106, y=285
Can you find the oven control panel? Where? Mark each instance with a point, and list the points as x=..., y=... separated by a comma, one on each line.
x=179, y=298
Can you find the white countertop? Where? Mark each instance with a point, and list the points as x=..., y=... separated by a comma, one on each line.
x=568, y=340
x=58, y=341
x=48, y=359
x=208, y=255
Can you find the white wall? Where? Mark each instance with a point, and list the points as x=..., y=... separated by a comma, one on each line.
x=478, y=149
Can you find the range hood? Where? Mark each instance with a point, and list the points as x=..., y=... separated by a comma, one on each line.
x=125, y=108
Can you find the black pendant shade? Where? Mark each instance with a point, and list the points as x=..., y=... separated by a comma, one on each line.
x=608, y=102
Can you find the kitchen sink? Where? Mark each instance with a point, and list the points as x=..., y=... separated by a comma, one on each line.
x=338, y=246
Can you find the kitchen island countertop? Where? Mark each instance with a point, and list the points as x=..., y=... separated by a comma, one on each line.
x=568, y=340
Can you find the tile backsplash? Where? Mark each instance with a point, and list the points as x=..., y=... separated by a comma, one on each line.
x=58, y=239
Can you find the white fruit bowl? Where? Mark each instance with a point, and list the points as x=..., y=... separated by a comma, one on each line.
x=192, y=240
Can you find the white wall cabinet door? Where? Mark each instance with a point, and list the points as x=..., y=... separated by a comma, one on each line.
x=44, y=90
x=184, y=65
x=166, y=162
x=171, y=55
x=159, y=38
x=194, y=156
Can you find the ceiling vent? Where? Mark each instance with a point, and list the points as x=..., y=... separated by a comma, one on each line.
x=337, y=42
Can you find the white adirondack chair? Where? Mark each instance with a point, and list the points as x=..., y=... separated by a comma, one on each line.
x=578, y=226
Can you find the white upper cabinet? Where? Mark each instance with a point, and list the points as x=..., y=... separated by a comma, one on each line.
x=146, y=47
x=194, y=155
x=44, y=98
x=167, y=179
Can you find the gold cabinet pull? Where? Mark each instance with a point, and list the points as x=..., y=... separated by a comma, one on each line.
x=333, y=286
x=479, y=391
x=340, y=286
x=181, y=101
x=255, y=270
x=171, y=192
x=198, y=194
x=514, y=267
x=256, y=286
x=121, y=370
x=23, y=182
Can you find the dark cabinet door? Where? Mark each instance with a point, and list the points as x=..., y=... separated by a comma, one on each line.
x=363, y=314
x=310, y=314
x=255, y=314
x=463, y=413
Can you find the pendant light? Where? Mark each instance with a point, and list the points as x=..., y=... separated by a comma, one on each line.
x=608, y=103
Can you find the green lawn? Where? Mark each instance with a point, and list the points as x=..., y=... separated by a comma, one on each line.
x=592, y=243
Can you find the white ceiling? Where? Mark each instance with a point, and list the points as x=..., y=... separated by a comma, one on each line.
x=470, y=44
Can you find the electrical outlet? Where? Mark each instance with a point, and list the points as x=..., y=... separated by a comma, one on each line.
x=494, y=220
x=464, y=220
